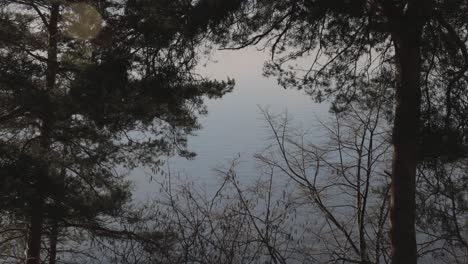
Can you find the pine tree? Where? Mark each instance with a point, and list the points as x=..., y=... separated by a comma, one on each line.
x=417, y=47
x=86, y=88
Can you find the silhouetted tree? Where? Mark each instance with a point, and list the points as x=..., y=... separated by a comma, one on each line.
x=316, y=201
x=86, y=88
x=417, y=46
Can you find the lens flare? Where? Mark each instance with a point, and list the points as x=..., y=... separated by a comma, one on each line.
x=82, y=21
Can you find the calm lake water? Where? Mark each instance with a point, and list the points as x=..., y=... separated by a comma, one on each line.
x=234, y=125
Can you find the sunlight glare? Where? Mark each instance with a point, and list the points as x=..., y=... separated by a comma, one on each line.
x=82, y=21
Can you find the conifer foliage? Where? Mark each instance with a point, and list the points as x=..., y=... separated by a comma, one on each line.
x=86, y=88
x=335, y=48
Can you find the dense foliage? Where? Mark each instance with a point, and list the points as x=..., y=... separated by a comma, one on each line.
x=86, y=90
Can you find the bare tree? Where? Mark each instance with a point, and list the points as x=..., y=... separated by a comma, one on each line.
x=442, y=211
x=318, y=199
x=310, y=203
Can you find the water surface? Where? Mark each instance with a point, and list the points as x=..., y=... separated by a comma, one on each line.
x=234, y=126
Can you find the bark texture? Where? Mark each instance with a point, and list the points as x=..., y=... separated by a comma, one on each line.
x=407, y=42
x=35, y=232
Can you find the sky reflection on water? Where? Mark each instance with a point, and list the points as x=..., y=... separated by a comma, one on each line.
x=234, y=125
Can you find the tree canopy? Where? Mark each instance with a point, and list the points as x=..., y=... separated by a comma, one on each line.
x=86, y=89
x=346, y=50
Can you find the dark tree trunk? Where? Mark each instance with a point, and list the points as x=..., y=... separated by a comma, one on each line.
x=35, y=232
x=37, y=216
x=407, y=41
x=53, y=243
x=57, y=213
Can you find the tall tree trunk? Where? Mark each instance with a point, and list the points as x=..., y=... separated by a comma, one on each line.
x=407, y=41
x=53, y=238
x=37, y=217
x=35, y=232
x=57, y=212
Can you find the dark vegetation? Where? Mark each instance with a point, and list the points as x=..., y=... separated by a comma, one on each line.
x=91, y=89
